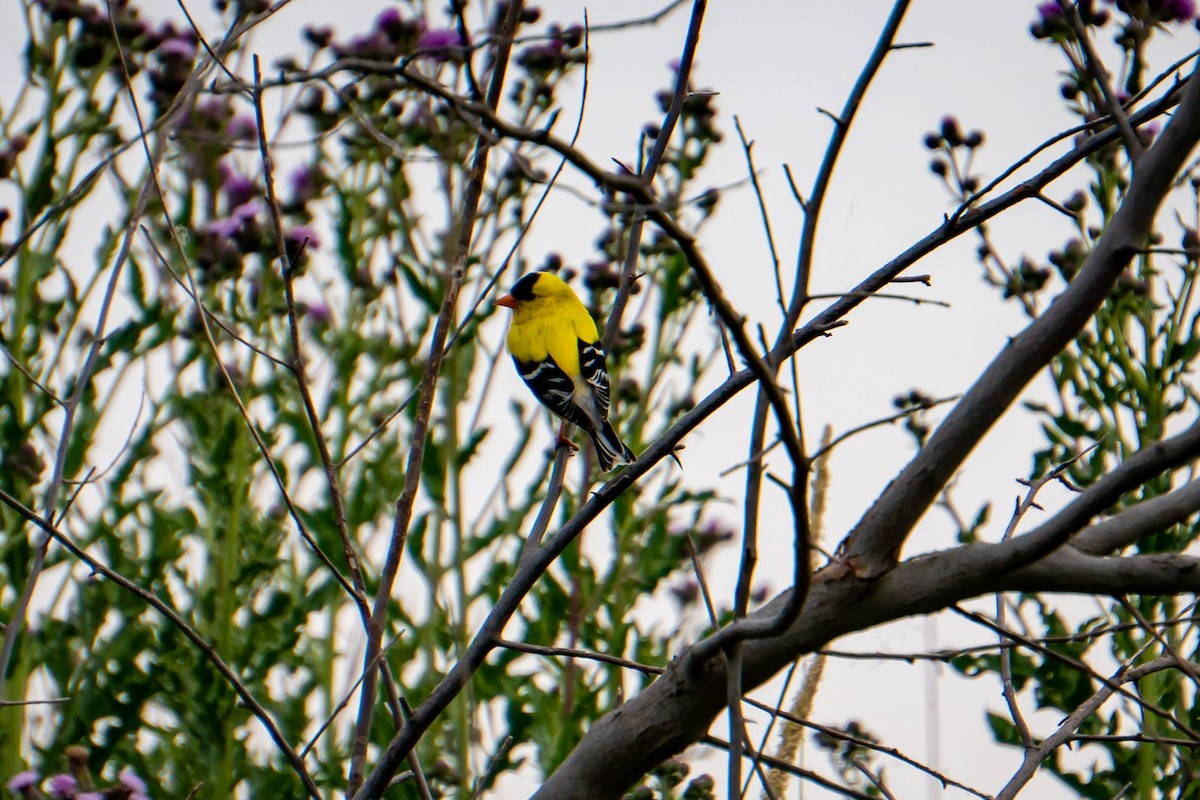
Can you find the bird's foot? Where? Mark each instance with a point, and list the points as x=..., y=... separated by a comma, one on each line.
x=562, y=441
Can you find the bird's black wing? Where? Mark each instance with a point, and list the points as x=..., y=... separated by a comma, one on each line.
x=591, y=364
x=554, y=389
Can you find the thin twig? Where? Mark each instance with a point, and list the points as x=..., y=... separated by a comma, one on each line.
x=799, y=772
x=423, y=790
x=877, y=780
x=1081, y=667
x=554, y=487
x=1187, y=667
x=1034, y=756
x=296, y=365
x=637, y=22
x=49, y=702
x=345, y=701
x=917, y=301
x=490, y=770
x=1141, y=738
x=866, y=426
x=747, y=148
x=29, y=375
x=574, y=652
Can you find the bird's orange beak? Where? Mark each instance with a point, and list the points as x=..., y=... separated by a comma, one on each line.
x=508, y=301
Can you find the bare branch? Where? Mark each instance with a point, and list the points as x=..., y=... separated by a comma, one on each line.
x=1136, y=522
x=1068, y=570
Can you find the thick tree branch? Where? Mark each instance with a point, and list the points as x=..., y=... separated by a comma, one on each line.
x=1068, y=570
x=1138, y=521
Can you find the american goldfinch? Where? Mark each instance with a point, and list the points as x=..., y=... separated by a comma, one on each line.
x=554, y=343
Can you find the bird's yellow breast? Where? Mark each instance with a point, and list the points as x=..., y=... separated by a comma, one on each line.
x=551, y=327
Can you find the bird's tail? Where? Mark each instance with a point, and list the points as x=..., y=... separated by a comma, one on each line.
x=609, y=448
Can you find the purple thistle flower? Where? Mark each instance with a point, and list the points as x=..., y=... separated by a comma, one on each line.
x=238, y=189
x=89, y=796
x=176, y=48
x=710, y=534
x=374, y=45
x=544, y=56
x=1178, y=10
x=297, y=243
x=247, y=211
x=303, y=235
x=303, y=185
x=242, y=128
x=223, y=228
x=23, y=780
x=318, y=313
x=167, y=30
x=439, y=43
x=319, y=37
x=685, y=593
x=239, y=222
x=1049, y=10
x=63, y=785
x=388, y=19
x=130, y=780
x=211, y=108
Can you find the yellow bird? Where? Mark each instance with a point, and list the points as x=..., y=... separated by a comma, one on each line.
x=554, y=343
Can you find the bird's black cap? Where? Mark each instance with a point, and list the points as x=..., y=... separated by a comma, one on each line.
x=522, y=290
